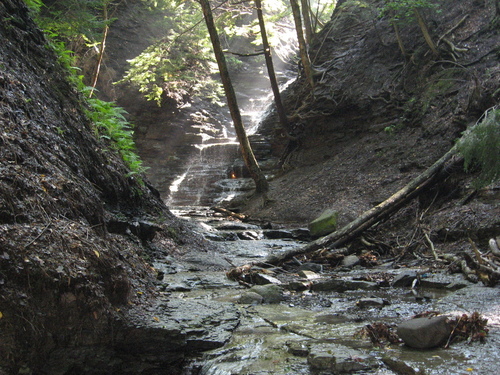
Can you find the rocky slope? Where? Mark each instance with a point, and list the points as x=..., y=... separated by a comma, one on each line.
x=76, y=234
x=376, y=119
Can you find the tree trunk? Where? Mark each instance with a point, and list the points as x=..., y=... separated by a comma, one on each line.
x=372, y=216
x=398, y=38
x=270, y=69
x=101, y=50
x=425, y=31
x=261, y=185
x=307, y=20
x=304, y=56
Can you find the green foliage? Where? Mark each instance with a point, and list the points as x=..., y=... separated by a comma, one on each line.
x=179, y=64
x=34, y=5
x=402, y=10
x=75, y=22
x=111, y=124
x=480, y=147
x=109, y=120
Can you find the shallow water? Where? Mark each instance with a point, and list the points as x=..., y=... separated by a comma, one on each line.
x=277, y=338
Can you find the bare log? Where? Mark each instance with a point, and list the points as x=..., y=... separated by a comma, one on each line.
x=375, y=214
x=226, y=212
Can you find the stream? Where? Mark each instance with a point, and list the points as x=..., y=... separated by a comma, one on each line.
x=300, y=320
x=304, y=322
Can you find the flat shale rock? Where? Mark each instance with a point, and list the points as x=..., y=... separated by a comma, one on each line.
x=338, y=359
x=342, y=285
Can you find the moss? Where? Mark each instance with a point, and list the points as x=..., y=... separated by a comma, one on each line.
x=324, y=224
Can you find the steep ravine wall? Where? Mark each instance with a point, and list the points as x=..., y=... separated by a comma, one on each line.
x=375, y=119
x=75, y=231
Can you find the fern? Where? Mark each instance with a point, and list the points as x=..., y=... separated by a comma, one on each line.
x=480, y=147
x=111, y=124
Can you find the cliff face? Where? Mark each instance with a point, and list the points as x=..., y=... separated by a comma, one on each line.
x=74, y=229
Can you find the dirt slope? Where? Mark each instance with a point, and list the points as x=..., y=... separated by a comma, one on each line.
x=375, y=120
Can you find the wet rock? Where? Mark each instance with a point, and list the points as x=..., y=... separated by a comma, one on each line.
x=326, y=223
x=297, y=286
x=309, y=275
x=250, y=298
x=424, y=333
x=314, y=267
x=249, y=236
x=302, y=234
x=270, y=293
x=350, y=261
x=222, y=236
x=442, y=281
x=235, y=226
x=263, y=279
x=400, y=367
x=338, y=359
x=275, y=234
x=298, y=349
x=341, y=285
x=404, y=279
x=371, y=302
x=205, y=324
x=213, y=237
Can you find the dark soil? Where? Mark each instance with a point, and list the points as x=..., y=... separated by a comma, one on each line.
x=75, y=231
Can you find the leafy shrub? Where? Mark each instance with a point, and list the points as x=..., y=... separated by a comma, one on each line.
x=480, y=147
x=109, y=120
x=111, y=124
x=401, y=10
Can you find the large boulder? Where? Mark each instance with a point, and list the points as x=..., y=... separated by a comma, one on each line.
x=424, y=333
x=270, y=293
x=326, y=223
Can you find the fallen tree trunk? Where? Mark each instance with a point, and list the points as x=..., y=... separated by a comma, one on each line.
x=375, y=214
x=226, y=212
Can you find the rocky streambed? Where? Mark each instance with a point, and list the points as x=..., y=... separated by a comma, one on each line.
x=307, y=319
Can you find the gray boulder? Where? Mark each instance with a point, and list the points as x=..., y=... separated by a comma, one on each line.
x=424, y=333
x=270, y=293
x=250, y=298
x=350, y=261
x=326, y=223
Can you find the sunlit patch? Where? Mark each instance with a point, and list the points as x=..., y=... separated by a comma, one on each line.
x=174, y=187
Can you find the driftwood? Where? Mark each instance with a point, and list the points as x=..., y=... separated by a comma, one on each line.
x=485, y=266
x=377, y=213
x=236, y=215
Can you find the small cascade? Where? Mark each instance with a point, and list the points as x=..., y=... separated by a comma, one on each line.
x=214, y=172
x=200, y=184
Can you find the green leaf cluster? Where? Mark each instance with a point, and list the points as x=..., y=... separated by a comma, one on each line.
x=108, y=119
x=480, y=147
x=403, y=10
x=75, y=22
x=110, y=123
x=179, y=64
